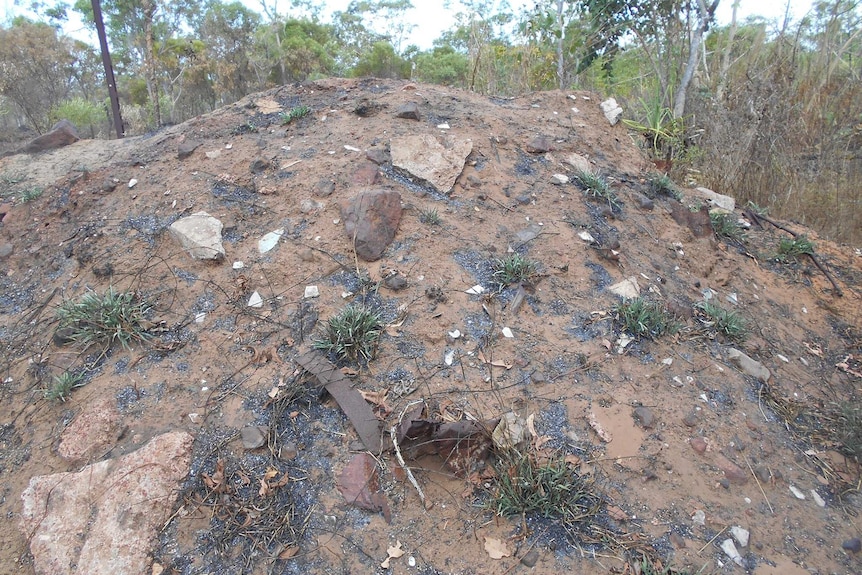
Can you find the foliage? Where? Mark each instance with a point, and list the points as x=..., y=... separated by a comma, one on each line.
x=514, y=268
x=597, y=186
x=719, y=320
x=641, y=317
x=551, y=489
x=294, y=113
x=381, y=61
x=662, y=132
x=430, y=216
x=29, y=194
x=663, y=185
x=63, y=386
x=850, y=429
x=351, y=334
x=725, y=226
x=104, y=318
x=441, y=65
x=795, y=247
x=83, y=114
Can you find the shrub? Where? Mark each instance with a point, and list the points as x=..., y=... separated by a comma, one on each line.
x=641, y=317
x=104, y=319
x=719, y=320
x=514, y=269
x=351, y=334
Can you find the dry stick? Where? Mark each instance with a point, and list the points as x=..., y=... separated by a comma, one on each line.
x=708, y=543
x=837, y=289
x=394, y=436
x=753, y=474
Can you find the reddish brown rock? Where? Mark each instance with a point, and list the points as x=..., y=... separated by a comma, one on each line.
x=371, y=220
x=733, y=472
x=105, y=518
x=539, y=145
x=92, y=433
x=365, y=175
x=698, y=444
x=62, y=134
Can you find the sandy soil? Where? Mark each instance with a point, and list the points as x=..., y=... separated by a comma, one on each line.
x=89, y=230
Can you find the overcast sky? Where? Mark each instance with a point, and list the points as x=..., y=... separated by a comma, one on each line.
x=431, y=17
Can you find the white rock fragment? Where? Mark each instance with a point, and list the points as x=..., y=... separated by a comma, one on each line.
x=730, y=550
x=132, y=183
x=612, y=111
x=817, y=499
x=782, y=358
x=587, y=237
x=238, y=265
x=269, y=241
x=449, y=357
x=667, y=361
x=411, y=561
x=443, y=126
x=507, y=332
x=796, y=492
x=213, y=154
x=200, y=317
x=740, y=534
x=194, y=417
x=628, y=288
x=455, y=334
x=720, y=201
x=476, y=290
x=310, y=292
x=559, y=179
x=200, y=235
x=351, y=148
x=255, y=300
x=699, y=517
x=732, y=298
x=622, y=342
x=750, y=366
x=346, y=294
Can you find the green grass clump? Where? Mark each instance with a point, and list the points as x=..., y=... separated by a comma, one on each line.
x=726, y=322
x=725, y=226
x=597, y=187
x=29, y=194
x=662, y=185
x=850, y=429
x=351, y=334
x=514, y=269
x=430, y=217
x=104, y=318
x=294, y=113
x=795, y=247
x=63, y=386
x=644, y=318
x=551, y=489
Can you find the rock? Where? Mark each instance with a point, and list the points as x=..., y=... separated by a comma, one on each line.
x=740, y=534
x=92, y=433
x=61, y=134
x=366, y=108
x=309, y=206
x=259, y=166
x=424, y=157
x=644, y=417
x=395, y=283
x=6, y=250
x=540, y=145
x=366, y=174
x=732, y=471
x=747, y=365
x=559, y=179
x=578, y=162
x=371, y=220
x=255, y=300
x=852, y=545
x=718, y=200
x=474, y=181
x=612, y=111
x=644, y=203
x=324, y=188
x=538, y=377
x=690, y=420
x=200, y=235
x=529, y=233
x=698, y=444
x=105, y=518
x=409, y=111
x=270, y=240
x=377, y=155
x=530, y=559
x=730, y=550
x=254, y=436
x=288, y=451
x=677, y=540
x=698, y=222
x=628, y=288
x=187, y=148
x=311, y=292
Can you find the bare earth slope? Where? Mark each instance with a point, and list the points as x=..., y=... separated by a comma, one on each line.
x=690, y=432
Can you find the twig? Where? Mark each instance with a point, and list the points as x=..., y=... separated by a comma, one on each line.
x=708, y=543
x=394, y=436
x=753, y=474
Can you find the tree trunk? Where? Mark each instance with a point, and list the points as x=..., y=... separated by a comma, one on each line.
x=149, y=7
x=560, y=68
x=725, y=56
x=705, y=16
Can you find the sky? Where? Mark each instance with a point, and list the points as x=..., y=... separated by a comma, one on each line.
x=431, y=17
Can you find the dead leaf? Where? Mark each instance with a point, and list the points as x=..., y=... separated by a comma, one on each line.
x=616, y=513
x=495, y=363
x=264, y=490
x=216, y=481
x=607, y=344
x=377, y=398
x=393, y=552
x=289, y=552
x=813, y=349
x=496, y=549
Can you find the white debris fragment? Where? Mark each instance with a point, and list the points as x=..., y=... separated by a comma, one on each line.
x=699, y=517
x=730, y=550
x=782, y=358
x=449, y=358
x=443, y=126
x=132, y=183
x=817, y=499
x=740, y=534
x=507, y=332
x=310, y=292
x=194, y=417
x=476, y=290
x=796, y=492
x=587, y=237
x=455, y=333
x=200, y=317
x=269, y=241
x=255, y=300
x=238, y=265
x=667, y=361
x=351, y=148
x=622, y=342
x=559, y=179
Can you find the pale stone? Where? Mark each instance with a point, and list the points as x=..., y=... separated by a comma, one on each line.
x=750, y=366
x=720, y=201
x=423, y=156
x=200, y=235
x=628, y=288
x=613, y=112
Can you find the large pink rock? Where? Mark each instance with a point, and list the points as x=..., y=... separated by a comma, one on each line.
x=92, y=433
x=371, y=220
x=105, y=518
x=62, y=134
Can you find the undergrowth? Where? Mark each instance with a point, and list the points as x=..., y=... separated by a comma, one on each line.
x=351, y=334
x=104, y=318
x=515, y=268
x=719, y=320
x=597, y=187
x=644, y=318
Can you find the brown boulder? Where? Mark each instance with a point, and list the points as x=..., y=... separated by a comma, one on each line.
x=62, y=134
x=371, y=220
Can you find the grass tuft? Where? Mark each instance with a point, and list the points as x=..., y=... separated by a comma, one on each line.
x=551, y=489
x=726, y=226
x=644, y=318
x=29, y=194
x=794, y=248
x=597, y=187
x=63, y=386
x=850, y=429
x=294, y=113
x=663, y=185
x=719, y=320
x=430, y=217
x=351, y=334
x=515, y=269
x=104, y=318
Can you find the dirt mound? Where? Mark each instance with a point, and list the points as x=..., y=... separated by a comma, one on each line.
x=676, y=439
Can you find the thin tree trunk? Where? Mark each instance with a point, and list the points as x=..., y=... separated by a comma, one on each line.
x=705, y=16
x=560, y=69
x=153, y=88
x=725, y=56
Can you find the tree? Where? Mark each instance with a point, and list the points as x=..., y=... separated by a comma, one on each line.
x=228, y=31
x=382, y=62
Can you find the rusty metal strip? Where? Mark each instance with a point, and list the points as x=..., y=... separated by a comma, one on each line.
x=351, y=402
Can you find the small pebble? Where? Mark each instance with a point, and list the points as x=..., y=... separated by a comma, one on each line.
x=531, y=558
x=698, y=444
x=690, y=420
x=852, y=545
